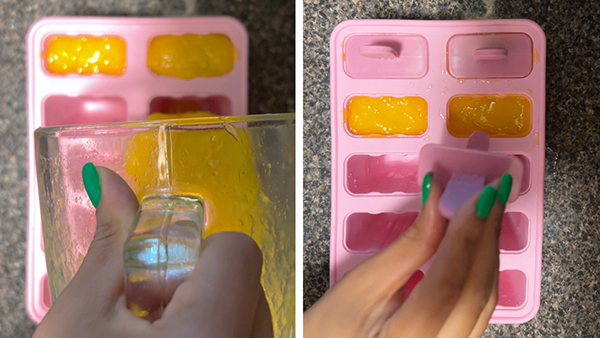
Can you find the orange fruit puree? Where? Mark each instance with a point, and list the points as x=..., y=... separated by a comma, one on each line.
x=209, y=163
x=387, y=115
x=218, y=166
x=502, y=115
x=191, y=55
x=86, y=55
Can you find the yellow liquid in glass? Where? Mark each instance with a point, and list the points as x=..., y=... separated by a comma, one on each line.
x=497, y=115
x=86, y=55
x=218, y=166
x=191, y=55
x=387, y=115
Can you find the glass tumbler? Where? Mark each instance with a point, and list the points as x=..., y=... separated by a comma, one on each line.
x=192, y=178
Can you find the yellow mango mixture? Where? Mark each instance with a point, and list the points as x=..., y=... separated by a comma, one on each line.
x=218, y=166
x=502, y=115
x=191, y=55
x=86, y=55
x=387, y=115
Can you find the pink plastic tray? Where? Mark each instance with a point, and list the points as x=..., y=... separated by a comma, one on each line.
x=77, y=99
x=375, y=189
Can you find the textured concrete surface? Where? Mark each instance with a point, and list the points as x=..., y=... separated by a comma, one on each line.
x=570, y=305
x=271, y=28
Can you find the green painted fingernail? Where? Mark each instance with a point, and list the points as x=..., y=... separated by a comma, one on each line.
x=91, y=182
x=486, y=201
x=426, y=186
x=504, y=188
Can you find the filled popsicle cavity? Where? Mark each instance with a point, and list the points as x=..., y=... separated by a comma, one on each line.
x=386, y=115
x=502, y=115
x=85, y=55
x=190, y=56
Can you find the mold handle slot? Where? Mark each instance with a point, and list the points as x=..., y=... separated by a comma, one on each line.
x=378, y=52
x=490, y=53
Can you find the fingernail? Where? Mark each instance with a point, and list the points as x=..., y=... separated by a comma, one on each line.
x=91, y=182
x=486, y=201
x=504, y=188
x=426, y=186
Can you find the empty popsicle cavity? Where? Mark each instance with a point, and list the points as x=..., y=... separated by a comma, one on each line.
x=526, y=180
x=512, y=288
x=67, y=110
x=515, y=232
x=45, y=289
x=367, y=232
x=383, y=174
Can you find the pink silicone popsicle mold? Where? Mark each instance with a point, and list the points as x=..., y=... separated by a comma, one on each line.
x=81, y=99
x=376, y=180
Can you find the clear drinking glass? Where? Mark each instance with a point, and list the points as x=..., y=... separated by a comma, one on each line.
x=192, y=177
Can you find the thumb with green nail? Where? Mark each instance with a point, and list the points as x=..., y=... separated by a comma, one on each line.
x=222, y=297
x=455, y=298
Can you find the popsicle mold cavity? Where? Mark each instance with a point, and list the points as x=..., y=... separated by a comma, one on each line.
x=68, y=110
x=502, y=115
x=526, y=181
x=46, y=299
x=515, y=231
x=386, y=115
x=382, y=174
x=495, y=55
x=191, y=55
x=218, y=105
x=85, y=55
x=512, y=288
x=385, y=56
x=373, y=232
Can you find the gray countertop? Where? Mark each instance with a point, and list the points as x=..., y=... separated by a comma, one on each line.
x=570, y=304
x=270, y=26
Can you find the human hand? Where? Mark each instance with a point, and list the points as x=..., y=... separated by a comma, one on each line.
x=222, y=298
x=457, y=296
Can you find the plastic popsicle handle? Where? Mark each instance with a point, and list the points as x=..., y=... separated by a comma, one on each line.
x=463, y=172
x=490, y=53
x=378, y=52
